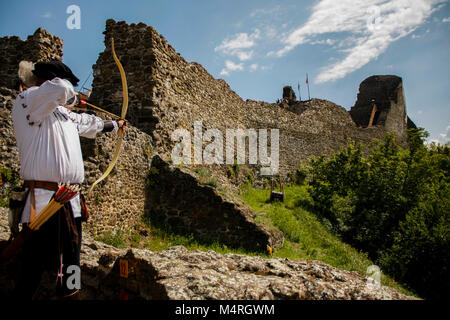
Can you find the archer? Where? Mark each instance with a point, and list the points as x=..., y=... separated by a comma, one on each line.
x=47, y=135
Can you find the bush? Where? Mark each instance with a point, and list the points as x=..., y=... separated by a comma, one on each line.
x=392, y=204
x=420, y=253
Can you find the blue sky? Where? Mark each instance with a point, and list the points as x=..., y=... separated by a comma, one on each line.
x=258, y=46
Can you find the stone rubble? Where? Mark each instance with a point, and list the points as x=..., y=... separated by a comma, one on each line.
x=177, y=273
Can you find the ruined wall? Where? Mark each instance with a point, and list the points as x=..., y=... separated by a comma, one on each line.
x=386, y=92
x=289, y=94
x=177, y=93
x=132, y=46
x=167, y=93
x=117, y=203
x=9, y=155
x=177, y=199
x=120, y=201
x=41, y=46
x=319, y=127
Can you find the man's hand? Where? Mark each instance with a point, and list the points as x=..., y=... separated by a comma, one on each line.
x=122, y=123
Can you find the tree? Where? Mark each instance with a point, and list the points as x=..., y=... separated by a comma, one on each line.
x=392, y=204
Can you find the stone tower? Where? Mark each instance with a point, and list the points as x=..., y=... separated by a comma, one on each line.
x=289, y=94
x=381, y=102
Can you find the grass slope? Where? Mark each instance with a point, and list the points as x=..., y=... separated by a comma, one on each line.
x=306, y=238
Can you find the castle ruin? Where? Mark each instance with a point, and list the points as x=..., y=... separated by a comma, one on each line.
x=166, y=93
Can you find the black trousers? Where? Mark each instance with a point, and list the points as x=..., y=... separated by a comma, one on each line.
x=52, y=244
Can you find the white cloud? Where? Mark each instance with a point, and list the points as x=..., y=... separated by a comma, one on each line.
x=442, y=139
x=368, y=27
x=47, y=15
x=239, y=45
x=231, y=66
x=240, y=41
x=244, y=55
x=271, y=32
x=267, y=11
x=327, y=41
x=445, y=20
x=254, y=67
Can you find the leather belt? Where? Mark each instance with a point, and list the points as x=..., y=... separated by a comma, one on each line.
x=31, y=185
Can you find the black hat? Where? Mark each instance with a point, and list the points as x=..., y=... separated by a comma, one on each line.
x=53, y=69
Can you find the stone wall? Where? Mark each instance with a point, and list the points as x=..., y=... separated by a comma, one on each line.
x=41, y=46
x=167, y=93
x=132, y=46
x=9, y=155
x=309, y=129
x=177, y=199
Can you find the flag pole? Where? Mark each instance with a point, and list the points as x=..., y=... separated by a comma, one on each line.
x=299, y=95
x=307, y=82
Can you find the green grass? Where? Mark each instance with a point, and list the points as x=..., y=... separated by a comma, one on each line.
x=306, y=238
x=159, y=239
x=205, y=177
x=116, y=239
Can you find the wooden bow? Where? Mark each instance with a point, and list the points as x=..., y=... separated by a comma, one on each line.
x=124, y=113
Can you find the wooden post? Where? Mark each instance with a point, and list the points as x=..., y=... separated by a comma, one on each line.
x=372, y=116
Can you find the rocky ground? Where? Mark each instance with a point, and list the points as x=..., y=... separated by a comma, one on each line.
x=177, y=273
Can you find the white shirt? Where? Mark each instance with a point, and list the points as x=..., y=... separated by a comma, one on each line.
x=48, y=140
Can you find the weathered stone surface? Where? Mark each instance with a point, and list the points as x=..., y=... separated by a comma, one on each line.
x=41, y=46
x=177, y=273
x=289, y=94
x=9, y=156
x=386, y=93
x=176, y=198
x=168, y=93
